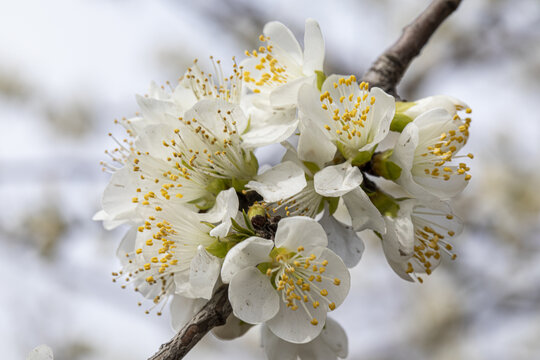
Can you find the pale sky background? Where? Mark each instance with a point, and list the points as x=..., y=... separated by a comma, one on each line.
x=69, y=67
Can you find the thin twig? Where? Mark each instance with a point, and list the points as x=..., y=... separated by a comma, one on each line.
x=386, y=72
x=213, y=314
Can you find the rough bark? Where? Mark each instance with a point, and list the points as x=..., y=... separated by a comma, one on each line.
x=213, y=314
x=386, y=72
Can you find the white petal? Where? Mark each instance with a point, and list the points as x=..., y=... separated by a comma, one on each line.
x=431, y=102
x=280, y=182
x=313, y=145
x=249, y=252
x=203, y=274
x=127, y=245
x=276, y=348
x=117, y=197
x=108, y=221
x=398, y=242
x=206, y=112
x=403, y=154
x=381, y=116
x=225, y=207
x=335, y=337
x=313, y=47
x=337, y=180
x=283, y=41
x=271, y=129
x=41, y=352
x=287, y=94
x=154, y=111
x=184, y=97
x=233, y=328
x=309, y=105
x=183, y=309
x=296, y=231
x=364, y=214
x=295, y=326
x=252, y=296
x=442, y=189
x=334, y=269
x=343, y=240
x=433, y=118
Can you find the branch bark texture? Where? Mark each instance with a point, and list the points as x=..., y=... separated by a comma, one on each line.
x=213, y=314
x=386, y=72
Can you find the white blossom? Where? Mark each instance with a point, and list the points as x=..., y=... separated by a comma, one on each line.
x=418, y=235
x=351, y=116
x=297, y=187
x=278, y=69
x=166, y=255
x=425, y=152
x=331, y=343
x=290, y=286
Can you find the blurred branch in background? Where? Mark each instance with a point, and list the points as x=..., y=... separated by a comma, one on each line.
x=386, y=72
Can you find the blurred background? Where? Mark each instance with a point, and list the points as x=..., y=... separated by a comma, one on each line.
x=69, y=67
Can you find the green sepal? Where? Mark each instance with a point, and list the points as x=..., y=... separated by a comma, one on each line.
x=263, y=267
x=247, y=232
x=311, y=166
x=386, y=204
x=278, y=251
x=248, y=126
x=357, y=158
x=220, y=248
x=238, y=184
x=216, y=186
x=320, y=79
x=384, y=167
x=247, y=216
x=399, y=122
x=332, y=204
x=204, y=202
x=361, y=158
x=393, y=171
x=402, y=106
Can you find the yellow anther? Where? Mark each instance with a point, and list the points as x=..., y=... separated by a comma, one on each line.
x=150, y=279
x=332, y=306
x=314, y=322
x=337, y=281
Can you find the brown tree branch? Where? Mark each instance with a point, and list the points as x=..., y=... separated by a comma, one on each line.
x=213, y=314
x=386, y=72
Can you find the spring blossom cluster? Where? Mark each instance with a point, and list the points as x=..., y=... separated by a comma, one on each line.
x=203, y=212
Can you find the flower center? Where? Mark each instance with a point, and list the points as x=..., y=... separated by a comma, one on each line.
x=271, y=72
x=300, y=279
x=350, y=113
x=434, y=155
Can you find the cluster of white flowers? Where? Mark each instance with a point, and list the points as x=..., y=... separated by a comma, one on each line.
x=203, y=213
